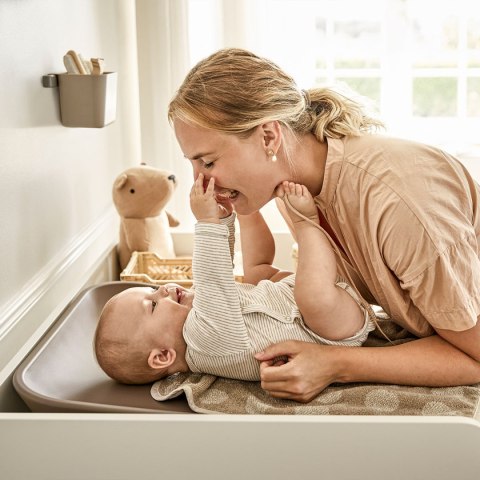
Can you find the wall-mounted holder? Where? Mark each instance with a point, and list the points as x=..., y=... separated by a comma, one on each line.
x=88, y=101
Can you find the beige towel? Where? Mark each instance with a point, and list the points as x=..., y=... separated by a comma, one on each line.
x=210, y=394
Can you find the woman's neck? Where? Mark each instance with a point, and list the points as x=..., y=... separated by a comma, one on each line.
x=309, y=157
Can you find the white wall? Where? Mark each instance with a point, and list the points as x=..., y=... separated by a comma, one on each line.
x=57, y=222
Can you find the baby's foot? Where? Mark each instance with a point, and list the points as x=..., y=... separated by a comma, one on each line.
x=300, y=199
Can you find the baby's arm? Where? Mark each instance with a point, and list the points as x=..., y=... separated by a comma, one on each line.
x=258, y=250
x=216, y=305
x=209, y=208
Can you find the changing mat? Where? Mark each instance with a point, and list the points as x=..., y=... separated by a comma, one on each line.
x=211, y=394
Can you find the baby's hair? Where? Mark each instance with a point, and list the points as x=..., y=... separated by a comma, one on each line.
x=233, y=91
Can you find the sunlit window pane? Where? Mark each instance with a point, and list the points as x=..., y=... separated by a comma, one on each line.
x=356, y=44
x=473, y=42
x=435, y=35
x=473, y=97
x=417, y=60
x=320, y=82
x=435, y=97
x=368, y=87
x=321, y=39
x=473, y=33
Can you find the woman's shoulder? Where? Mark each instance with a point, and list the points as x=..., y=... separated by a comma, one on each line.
x=382, y=152
x=383, y=142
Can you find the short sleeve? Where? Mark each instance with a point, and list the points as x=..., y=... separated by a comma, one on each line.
x=447, y=292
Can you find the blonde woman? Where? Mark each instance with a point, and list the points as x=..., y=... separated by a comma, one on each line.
x=402, y=216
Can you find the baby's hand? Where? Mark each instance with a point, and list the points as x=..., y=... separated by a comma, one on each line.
x=225, y=207
x=202, y=201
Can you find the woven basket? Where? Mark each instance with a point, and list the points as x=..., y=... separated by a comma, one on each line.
x=148, y=267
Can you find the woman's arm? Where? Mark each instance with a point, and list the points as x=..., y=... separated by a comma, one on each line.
x=258, y=249
x=467, y=341
x=430, y=361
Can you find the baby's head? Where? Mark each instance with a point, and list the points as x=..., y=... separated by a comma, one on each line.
x=139, y=334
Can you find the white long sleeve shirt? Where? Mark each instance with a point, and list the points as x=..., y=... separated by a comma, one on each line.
x=230, y=322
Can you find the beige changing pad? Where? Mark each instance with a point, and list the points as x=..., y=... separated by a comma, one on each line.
x=210, y=394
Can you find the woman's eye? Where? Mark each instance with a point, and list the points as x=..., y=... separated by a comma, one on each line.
x=207, y=165
x=154, y=304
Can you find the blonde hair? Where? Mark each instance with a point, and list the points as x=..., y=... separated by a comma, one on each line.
x=233, y=91
x=122, y=359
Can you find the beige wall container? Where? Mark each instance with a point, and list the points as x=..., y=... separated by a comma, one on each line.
x=88, y=101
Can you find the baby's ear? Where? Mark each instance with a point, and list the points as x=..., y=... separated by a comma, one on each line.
x=161, y=358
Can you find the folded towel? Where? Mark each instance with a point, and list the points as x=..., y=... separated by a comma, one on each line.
x=211, y=394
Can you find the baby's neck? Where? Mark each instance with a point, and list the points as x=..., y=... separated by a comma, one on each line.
x=180, y=367
x=180, y=364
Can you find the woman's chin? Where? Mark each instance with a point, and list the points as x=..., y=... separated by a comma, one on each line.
x=243, y=206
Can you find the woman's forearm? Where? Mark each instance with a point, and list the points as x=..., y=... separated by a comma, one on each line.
x=258, y=246
x=428, y=361
x=310, y=368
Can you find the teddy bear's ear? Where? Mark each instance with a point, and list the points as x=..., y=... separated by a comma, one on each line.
x=120, y=181
x=172, y=221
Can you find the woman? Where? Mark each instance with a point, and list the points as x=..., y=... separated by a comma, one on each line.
x=404, y=216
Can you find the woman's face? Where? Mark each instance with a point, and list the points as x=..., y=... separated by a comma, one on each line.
x=241, y=167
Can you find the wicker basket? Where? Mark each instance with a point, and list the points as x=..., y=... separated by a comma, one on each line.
x=148, y=267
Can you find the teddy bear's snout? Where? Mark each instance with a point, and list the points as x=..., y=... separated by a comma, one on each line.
x=172, y=178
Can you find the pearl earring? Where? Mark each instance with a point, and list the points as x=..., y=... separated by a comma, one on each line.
x=271, y=153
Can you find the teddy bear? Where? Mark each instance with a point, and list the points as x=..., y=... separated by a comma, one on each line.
x=140, y=195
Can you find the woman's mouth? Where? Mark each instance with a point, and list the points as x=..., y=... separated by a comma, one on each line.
x=230, y=194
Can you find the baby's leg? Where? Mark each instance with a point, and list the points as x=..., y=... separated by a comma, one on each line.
x=331, y=313
x=328, y=310
x=299, y=198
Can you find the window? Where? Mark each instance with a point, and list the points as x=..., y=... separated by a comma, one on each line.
x=417, y=60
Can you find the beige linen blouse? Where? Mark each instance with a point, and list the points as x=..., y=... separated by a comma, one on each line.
x=406, y=216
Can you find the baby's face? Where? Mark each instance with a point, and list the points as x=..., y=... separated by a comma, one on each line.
x=153, y=314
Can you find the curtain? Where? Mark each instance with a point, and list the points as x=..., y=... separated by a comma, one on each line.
x=163, y=61
x=128, y=85
x=168, y=46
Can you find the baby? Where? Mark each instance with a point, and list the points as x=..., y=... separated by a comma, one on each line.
x=217, y=327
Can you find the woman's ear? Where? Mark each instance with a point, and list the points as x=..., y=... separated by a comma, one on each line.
x=160, y=359
x=272, y=135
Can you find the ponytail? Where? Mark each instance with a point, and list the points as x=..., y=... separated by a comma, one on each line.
x=331, y=114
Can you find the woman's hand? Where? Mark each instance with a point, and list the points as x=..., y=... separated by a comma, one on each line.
x=308, y=370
